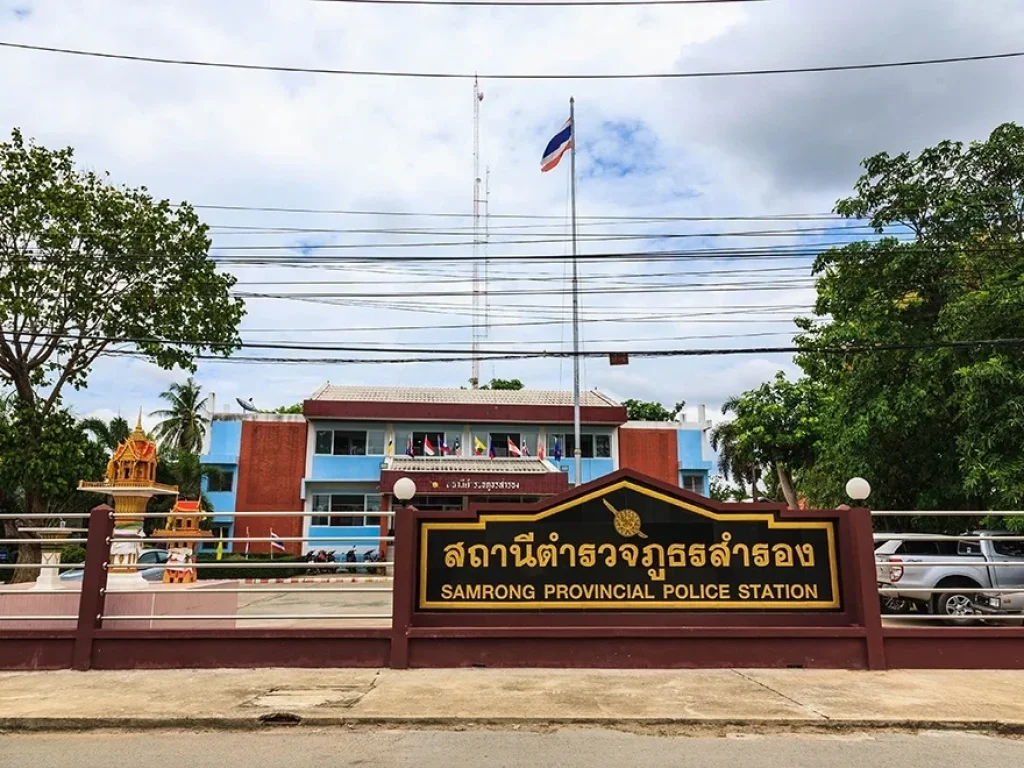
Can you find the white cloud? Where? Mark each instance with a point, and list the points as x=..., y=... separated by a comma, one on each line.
x=709, y=147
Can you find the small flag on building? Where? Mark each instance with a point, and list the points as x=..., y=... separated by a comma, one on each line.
x=491, y=452
x=445, y=450
x=247, y=542
x=408, y=447
x=479, y=446
x=220, y=547
x=540, y=448
x=557, y=147
x=523, y=450
x=390, y=450
x=275, y=541
x=556, y=453
x=457, y=447
x=428, y=448
x=513, y=449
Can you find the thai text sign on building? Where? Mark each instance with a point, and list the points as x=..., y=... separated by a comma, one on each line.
x=630, y=547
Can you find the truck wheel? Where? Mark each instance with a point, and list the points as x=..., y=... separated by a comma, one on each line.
x=957, y=607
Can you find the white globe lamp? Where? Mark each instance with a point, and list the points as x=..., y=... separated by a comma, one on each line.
x=404, y=489
x=858, y=489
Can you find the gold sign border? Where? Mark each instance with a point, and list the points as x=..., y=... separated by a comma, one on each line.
x=768, y=517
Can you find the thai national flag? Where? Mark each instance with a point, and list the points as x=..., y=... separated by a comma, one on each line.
x=557, y=147
x=275, y=541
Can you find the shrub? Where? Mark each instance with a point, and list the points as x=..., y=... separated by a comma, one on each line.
x=72, y=553
x=207, y=566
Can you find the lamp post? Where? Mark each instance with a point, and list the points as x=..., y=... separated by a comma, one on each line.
x=403, y=490
x=858, y=489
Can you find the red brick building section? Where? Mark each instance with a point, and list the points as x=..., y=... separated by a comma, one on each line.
x=651, y=450
x=271, y=464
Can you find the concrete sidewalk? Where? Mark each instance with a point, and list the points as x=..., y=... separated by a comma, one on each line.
x=680, y=701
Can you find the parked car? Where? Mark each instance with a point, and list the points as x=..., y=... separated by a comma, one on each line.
x=965, y=567
x=148, y=557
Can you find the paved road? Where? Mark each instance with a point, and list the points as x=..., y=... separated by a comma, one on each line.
x=316, y=600
x=472, y=749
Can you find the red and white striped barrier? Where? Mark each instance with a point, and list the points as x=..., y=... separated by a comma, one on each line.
x=322, y=580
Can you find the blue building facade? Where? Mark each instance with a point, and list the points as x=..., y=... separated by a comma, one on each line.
x=457, y=444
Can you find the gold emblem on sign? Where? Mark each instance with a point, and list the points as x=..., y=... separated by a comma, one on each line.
x=626, y=522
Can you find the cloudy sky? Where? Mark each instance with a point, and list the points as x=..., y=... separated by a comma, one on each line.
x=718, y=147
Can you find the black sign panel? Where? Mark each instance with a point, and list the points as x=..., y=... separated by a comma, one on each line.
x=629, y=547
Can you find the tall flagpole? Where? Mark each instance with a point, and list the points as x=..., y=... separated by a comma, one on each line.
x=577, y=448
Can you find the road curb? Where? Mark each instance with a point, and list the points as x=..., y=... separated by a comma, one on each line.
x=659, y=725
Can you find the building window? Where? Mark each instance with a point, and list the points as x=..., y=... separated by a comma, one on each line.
x=347, y=442
x=327, y=503
x=500, y=441
x=439, y=503
x=692, y=482
x=222, y=481
x=591, y=446
x=421, y=441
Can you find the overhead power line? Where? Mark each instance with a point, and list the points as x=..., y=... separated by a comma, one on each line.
x=457, y=215
x=539, y=3
x=513, y=76
x=451, y=357
x=511, y=353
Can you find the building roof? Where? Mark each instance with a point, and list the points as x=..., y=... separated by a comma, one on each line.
x=469, y=464
x=454, y=396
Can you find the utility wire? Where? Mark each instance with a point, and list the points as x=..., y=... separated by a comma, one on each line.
x=1016, y=343
x=833, y=349
x=539, y=3
x=528, y=216
x=507, y=76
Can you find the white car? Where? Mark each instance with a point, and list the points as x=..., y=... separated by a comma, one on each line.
x=148, y=557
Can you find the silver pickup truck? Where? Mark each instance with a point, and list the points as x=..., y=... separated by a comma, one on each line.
x=969, y=573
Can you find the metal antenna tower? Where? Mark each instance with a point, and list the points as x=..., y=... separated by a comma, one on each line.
x=478, y=96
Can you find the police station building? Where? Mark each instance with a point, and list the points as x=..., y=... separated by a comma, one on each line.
x=460, y=446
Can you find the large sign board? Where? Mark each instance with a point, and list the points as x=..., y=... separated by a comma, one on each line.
x=629, y=547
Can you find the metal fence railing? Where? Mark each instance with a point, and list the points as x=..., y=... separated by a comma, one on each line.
x=309, y=598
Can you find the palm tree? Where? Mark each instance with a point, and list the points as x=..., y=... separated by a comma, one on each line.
x=185, y=421
x=734, y=462
x=109, y=435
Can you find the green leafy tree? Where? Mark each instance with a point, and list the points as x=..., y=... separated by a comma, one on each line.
x=503, y=384
x=774, y=428
x=723, y=490
x=929, y=428
x=47, y=456
x=88, y=269
x=184, y=421
x=639, y=410
x=295, y=408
